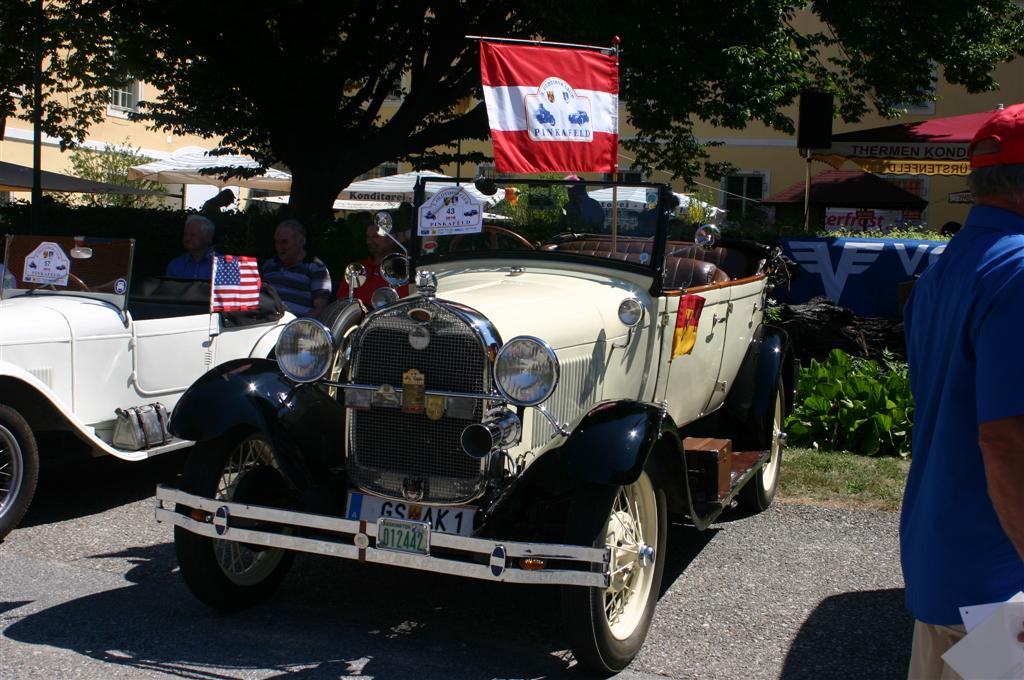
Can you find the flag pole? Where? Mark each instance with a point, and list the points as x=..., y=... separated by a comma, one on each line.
x=614, y=48
x=616, y=41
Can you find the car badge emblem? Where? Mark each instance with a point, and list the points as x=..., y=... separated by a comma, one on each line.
x=434, y=405
x=220, y=520
x=386, y=396
x=419, y=338
x=412, y=391
x=498, y=560
x=412, y=489
x=359, y=400
x=420, y=315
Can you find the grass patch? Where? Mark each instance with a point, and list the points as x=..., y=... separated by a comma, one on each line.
x=842, y=479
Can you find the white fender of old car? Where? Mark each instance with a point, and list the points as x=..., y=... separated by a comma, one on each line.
x=67, y=347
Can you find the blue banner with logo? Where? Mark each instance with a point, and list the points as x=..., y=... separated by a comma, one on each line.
x=862, y=274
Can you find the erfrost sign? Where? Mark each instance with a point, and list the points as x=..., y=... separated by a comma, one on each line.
x=452, y=210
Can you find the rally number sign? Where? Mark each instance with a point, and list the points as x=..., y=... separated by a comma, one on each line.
x=451, y=210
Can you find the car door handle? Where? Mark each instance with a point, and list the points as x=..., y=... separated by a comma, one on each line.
x=715, y=320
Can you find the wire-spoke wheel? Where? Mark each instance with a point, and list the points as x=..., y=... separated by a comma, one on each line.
x=607, y=626
x=19, y=468
x=759, y=492
x=225, y=574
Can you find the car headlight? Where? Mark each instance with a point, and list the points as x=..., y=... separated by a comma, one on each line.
x=526, y=371
x=304, y=350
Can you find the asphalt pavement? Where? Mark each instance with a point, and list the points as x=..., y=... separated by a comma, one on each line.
x=89, y=589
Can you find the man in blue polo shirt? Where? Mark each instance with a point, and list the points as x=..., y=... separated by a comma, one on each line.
x=301, y=280
x=197, y=260
x=962, y=527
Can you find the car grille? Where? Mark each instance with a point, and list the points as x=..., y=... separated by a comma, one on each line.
x=402, y=455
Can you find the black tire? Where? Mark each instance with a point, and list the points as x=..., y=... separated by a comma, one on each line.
x=19, y=468
x=608, y=646
x=226, y=575
x=759, y=492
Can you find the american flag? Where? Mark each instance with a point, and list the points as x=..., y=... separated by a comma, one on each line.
x=236, y=284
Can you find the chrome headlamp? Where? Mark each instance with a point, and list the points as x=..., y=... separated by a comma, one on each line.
x=304, y=350
x=526, y=371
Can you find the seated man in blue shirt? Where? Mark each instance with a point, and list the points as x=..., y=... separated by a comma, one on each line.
x=301, y=280
x=197, y=260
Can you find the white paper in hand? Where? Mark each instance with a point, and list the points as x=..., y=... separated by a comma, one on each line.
x=991, y=651
x=975, y=614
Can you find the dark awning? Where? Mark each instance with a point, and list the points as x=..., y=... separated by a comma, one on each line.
x=850, y=189
x=19, y=178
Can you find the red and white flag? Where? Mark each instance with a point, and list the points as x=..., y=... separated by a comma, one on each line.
x=236, y=284
x=551, y=109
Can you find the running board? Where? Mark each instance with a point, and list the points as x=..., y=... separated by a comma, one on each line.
x=715, y=474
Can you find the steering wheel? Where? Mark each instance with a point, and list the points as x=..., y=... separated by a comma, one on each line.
x=72, y=278
x=495, y=232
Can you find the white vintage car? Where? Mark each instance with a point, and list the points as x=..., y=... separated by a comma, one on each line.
x=533, y=413
x=79, y=339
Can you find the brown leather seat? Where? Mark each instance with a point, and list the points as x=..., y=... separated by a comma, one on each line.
x=680, y=271
x=687, y=272
x=736, y=263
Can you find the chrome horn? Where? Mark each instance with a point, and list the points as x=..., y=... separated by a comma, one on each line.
x=502, y=431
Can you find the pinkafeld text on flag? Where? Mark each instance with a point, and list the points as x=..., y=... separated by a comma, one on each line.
x=551, y=109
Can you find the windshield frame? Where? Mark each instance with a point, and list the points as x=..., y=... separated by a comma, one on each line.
x=654, y=268
x=110, y=248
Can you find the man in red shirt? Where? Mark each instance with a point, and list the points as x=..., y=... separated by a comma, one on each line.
x=378, y=247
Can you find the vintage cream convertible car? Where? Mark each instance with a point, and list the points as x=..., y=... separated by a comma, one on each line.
x=78, y=342
x=534, y=412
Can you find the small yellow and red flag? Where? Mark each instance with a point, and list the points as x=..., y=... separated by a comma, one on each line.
x=685, y=337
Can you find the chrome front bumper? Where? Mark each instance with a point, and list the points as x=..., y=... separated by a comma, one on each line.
x=481, y=558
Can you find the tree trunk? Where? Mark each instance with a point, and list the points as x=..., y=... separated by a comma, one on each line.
x=313, y=193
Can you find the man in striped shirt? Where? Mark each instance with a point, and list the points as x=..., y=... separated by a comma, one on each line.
x=301, y=280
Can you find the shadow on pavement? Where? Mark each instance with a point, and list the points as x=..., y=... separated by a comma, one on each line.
x=330, y=619
x=78, y=487
x=684, y=544
x=853, y=635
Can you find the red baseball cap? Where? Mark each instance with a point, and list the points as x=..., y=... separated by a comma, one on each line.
x=1000, y=139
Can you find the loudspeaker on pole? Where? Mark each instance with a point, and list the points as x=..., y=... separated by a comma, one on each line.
x=814, y=129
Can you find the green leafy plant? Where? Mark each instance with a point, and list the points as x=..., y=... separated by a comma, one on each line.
x=852, y=404
x=111, y=165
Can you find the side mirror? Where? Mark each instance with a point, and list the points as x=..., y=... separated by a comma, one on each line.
x=386, y=227
x=355, y=275
x=707, y=236
x=395, y=269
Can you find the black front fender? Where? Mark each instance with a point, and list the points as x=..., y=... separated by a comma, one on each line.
x=304, y=424
x=613, y=440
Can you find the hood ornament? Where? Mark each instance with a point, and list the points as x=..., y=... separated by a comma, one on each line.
x=426, y=283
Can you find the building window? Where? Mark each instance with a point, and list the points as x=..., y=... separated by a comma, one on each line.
x=920, y=186
x=743, y=192
x=382, y=170
x=126, y=97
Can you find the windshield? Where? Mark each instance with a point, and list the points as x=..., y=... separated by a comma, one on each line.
x=67, y=265
x=616, y=225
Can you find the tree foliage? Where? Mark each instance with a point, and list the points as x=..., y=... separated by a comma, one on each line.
x=111, y=165
x=78, y=67
x=731, y=63
x=332, y=90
